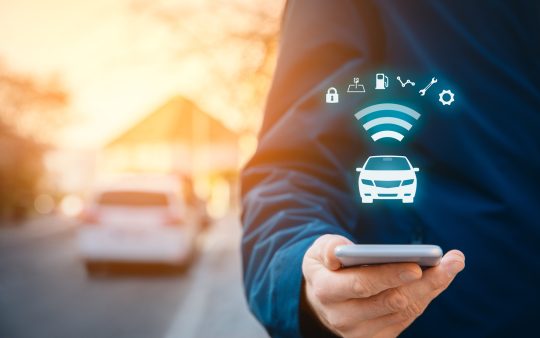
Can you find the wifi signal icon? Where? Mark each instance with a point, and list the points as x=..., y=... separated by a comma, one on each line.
x=387, y=120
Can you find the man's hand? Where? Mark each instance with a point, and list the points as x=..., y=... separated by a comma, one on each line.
x=371, y=301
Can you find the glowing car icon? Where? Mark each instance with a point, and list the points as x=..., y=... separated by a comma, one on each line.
x=387, y=177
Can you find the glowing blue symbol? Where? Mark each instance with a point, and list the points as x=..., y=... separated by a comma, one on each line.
x=387, y=120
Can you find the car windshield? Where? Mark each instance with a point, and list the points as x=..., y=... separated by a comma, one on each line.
x=387, y=163
x=133, y=199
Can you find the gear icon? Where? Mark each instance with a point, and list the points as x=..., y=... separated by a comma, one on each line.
x=442, y=97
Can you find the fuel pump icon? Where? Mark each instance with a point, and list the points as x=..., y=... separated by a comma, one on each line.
x=381, y=81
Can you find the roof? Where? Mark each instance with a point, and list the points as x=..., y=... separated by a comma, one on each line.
x=179, y=120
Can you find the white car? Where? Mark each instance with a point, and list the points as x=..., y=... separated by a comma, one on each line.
x=387, y=177
x=140, y=220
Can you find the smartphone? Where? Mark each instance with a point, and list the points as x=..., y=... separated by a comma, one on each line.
x=365, y=254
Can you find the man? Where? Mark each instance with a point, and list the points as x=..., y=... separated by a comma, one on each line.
x=477, y=188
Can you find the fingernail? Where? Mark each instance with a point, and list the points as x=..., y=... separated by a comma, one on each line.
x=407, y=276
x=454, y=267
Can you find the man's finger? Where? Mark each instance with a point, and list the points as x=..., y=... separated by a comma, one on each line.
x=364, y=281
x=382, y=304
x=434, y=281
x=418, y=294
x=384, y=326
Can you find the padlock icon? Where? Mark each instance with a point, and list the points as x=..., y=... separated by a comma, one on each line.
x=332, y=95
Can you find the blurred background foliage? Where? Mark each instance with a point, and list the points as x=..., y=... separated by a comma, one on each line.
x=30, y=109
x=215, y=32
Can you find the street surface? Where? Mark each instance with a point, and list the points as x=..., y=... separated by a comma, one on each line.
x=45, y=292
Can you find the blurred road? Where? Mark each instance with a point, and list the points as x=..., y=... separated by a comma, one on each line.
x=44, y=290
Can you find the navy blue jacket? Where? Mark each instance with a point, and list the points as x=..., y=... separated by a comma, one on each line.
x=479, y=159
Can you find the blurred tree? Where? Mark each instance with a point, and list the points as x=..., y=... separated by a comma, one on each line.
x=237, y=41
x=30, y=112
x=32, y=108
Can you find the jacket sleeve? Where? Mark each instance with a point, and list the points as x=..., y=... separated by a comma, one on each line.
x=300, y=183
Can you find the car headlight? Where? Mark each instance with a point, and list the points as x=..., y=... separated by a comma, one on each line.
x=407, y=182
x=367, y=182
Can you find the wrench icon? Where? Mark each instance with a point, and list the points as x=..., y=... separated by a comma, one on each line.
x=423, y=91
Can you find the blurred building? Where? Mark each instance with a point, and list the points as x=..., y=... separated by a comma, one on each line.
x=178, y=138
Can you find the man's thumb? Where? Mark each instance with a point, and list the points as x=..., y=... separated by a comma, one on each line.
x=326, y=245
